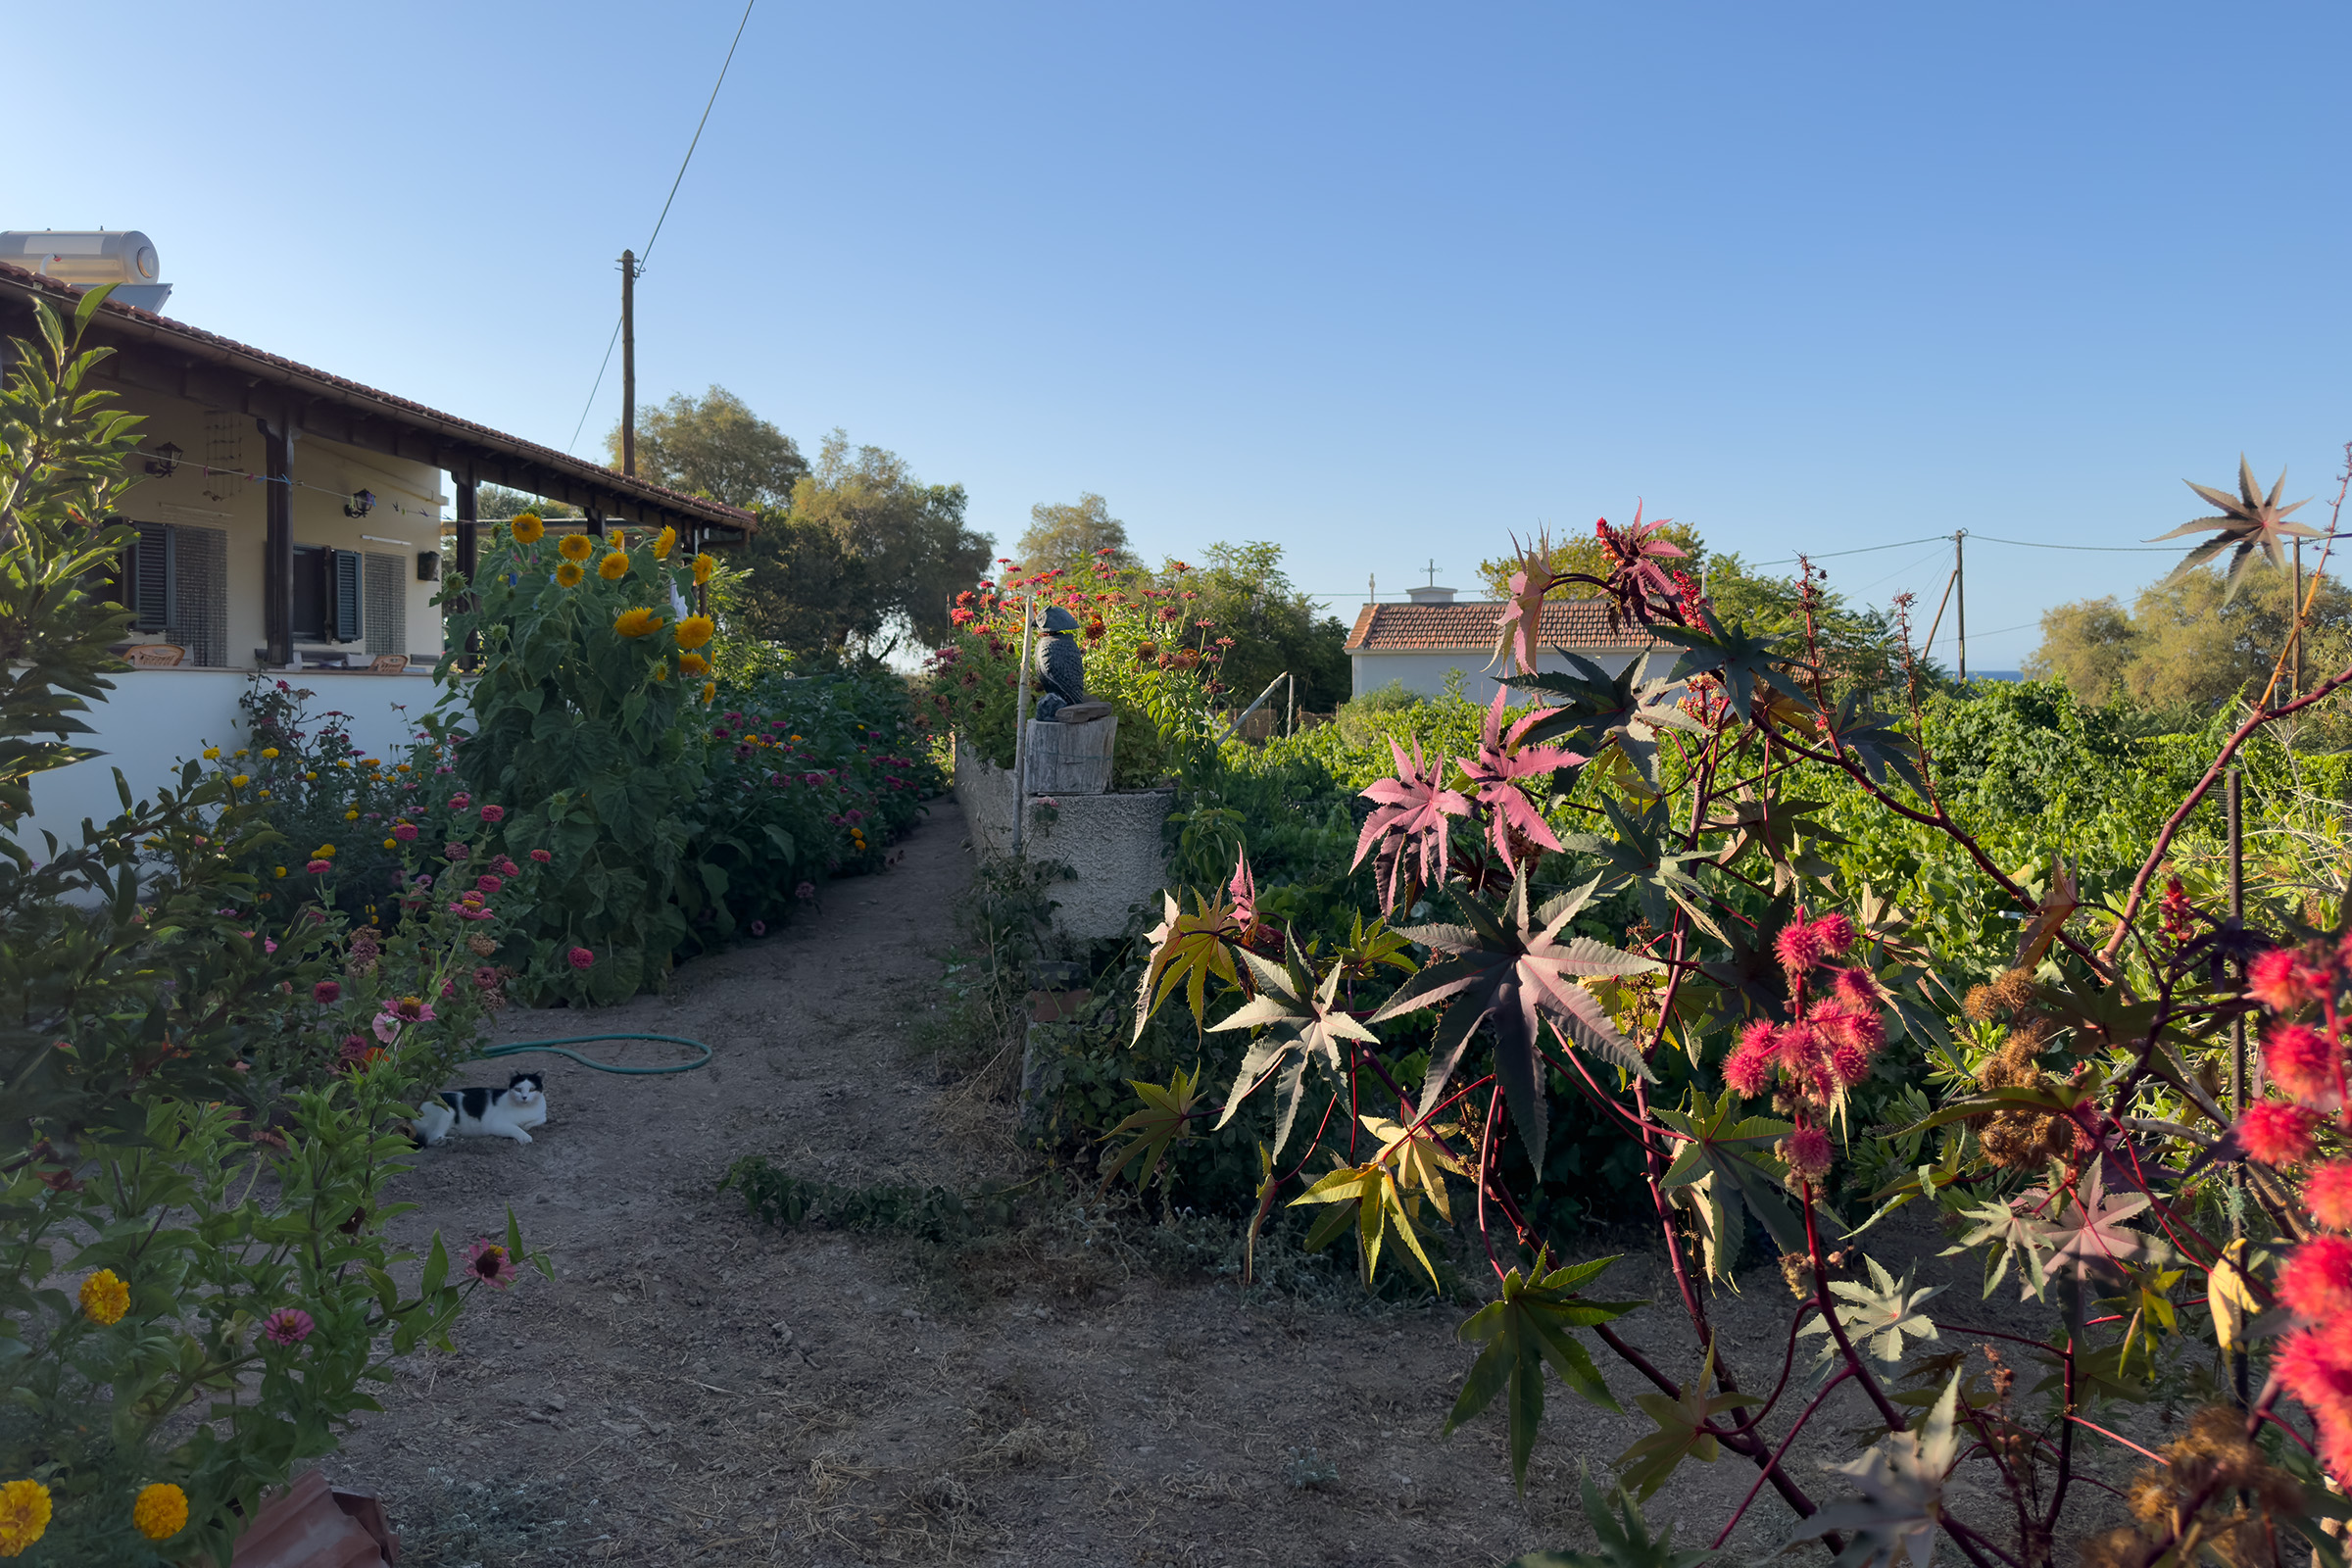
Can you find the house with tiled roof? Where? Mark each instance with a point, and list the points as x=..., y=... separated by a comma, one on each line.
x=289, y=519
x=1422, y=643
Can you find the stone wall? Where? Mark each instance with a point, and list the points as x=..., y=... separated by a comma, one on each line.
x=1112, y=841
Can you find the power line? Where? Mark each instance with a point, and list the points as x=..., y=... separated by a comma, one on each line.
x=607, y=362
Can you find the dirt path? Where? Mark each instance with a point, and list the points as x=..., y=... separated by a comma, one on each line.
x=694, y=1388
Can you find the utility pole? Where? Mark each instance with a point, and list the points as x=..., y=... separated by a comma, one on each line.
x=2295, y=679
x=1960, y=578
x=628, y=364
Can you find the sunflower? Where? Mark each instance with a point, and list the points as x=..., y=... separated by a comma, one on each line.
x=637, y=622
x=665, y=542
x=704, y=566
x=694, y=631
x=576, y=547
x=527, y=527
x=569, y=573
x=660, y=672
x=694, y=663
x=709, y=690
x=614, y=567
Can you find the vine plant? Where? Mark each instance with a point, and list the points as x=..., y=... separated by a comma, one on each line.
x=2083, y=1145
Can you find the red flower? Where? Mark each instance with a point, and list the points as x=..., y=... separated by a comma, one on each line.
x=1750, y=1067
x=488, y=884
x=541, y=856
x=326, y=991
x=455, y=852
x=2328, y=1192
x=2316, y=1369
x=1857, y=991
x=405, y=832
x=2317, y=1281
x=494, y=813
x=2302, y=1061
x=2282, y=980
x=1807, y=1150
x=288, y=1325
x=491, y=1263
x=2277, y=1134
x=1835, y=932
x=1798, y=945
x=319, y=867
x=581, y=958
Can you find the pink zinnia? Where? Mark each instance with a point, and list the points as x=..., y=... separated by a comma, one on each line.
x=488, y=884
x=288, y=1325
x=319, y=867
x=455, y=852
x=459, y=801
x=507, y=867
x=2280, y=980
x=581, y=958
x=2317, y=1281
x=807, y=890
x=326, y=991
x=491, y=1263
x=1835, y=932
x=485, y=976
x=541, y=856
x=406, y=832
x=1807, y=1150
x=2302, y=1061
x=2328, y=1192
x=2277, y=1134
x=759, y=928
x=1798, y=945
x=494, y=813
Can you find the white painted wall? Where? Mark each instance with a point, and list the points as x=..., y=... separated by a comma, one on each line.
x=1425, y=671
x=156, y=718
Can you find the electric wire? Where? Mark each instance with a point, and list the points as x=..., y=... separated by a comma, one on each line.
x=606, y=363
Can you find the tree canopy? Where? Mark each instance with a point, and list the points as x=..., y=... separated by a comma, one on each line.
x=715, y=446
x=1274, y=627
x=1069, y=534
x=908, y=538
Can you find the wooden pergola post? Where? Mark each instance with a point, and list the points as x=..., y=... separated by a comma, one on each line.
x=469, y=531
x=277, y=543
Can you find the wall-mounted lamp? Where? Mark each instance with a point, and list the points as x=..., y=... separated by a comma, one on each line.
x=361, y=503
x=165, y=461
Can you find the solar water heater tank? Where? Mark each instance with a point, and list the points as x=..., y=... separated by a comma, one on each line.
x=83, y=257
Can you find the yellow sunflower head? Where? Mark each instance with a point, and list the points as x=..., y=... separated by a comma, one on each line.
x=704, y=566
x=694, y=663
x=694, y=631
x=709, y=690
x=637, y=622
x=569, y=573
x=576, y=547
x=664, y=543
x=527, y=528
x=614, y=565
x=660, y=672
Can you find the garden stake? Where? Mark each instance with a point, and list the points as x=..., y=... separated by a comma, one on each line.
x=2237, y=1052
x=1020, y=731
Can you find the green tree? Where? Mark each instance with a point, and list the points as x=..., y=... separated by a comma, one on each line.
x=909, y=537
x=1274, y=627
x=1070, y=535
x=804, y=588
x=495, y=503
x=715, y=446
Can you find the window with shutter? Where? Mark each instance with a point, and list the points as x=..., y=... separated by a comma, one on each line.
x=198, y=618
x=387, y=595
x=150, y=602
x=343, y=595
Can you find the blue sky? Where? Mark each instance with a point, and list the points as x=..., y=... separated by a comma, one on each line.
x=1380, y=283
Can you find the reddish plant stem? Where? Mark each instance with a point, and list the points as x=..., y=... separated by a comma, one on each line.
x=1772, y=1466
x=2114, y=1437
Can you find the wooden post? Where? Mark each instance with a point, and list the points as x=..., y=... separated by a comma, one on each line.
x=628, y=364
x=277, y=543
x=2295, y=681
x=1020, y=735
x=1960, y=576
x=2238, y=1051
x=469, y=545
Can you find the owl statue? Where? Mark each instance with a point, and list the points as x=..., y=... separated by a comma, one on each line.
x=1059, y=664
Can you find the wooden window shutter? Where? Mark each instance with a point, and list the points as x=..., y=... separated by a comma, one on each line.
x=343, y=595
x=151, y=577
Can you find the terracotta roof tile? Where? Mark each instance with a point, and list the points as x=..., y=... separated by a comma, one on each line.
x=64, y=296
x=1472, y=624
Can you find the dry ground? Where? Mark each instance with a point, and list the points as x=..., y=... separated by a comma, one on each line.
x=694, y=1388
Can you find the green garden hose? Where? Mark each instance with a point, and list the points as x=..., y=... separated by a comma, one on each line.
x=556, y=1047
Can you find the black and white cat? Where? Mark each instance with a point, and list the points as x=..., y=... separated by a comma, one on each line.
x=482, y=1113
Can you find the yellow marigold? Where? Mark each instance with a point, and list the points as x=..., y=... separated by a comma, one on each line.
x=576, y=547
x=161, y=1511
x=352, y=815
x=694, y=663
x=212, y=754
x=390, y=844
x=614, y=565
x=269, y=752
x=664, y=543
x=310, y=778
x=105, y=1297
x=704, y=566
x=569, y=574
x=324, y=851
x=637, y=622
x=527, y=527
x=281, y=871
x=709, y=690
x=239, y=780
x=694, y=631
x=23, y=1516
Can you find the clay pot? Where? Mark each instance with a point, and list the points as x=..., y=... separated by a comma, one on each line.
x=306, y=1526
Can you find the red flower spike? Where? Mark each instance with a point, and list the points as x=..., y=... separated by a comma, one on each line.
x=2277, y=1134
x=1799, y=947
x=2317, y=1281
x=1835, y=932
x=1857, y=991
x=2328, y=1192
x=2280, y=980
x=2316, y=1367
x=2302, y=1061
x=1808, y=1152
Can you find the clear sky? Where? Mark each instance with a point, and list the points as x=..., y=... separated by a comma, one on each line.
x=1382, y=283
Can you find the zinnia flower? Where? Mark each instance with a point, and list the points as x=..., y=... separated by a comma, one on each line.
x=636, y=622
x=527, y=527
x=704, y=566
x=494, y=813
x=105, y=1297
x=326, y=991
x=569, y=574
x=614, y=565
x=488, y=884
x=455, y=850
x=694, y=631
x=581, y=958
x=288, y=1325
x=576, y=547
x=490, y=1263
x=759, y=928
x=406, y=832
x=459, y=801
x=542, y=857
x=161, y=1511
x=805, y=891
x=319, y=867
x=2317, y=1281
x=2277, y=1134
x=24, y=1508
x=664, y=543
x=485, y=976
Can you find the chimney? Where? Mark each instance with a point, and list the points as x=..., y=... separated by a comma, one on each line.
x=1431, y=596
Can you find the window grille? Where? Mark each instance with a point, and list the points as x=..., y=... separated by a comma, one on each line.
x=387, y=616
x=179, y=588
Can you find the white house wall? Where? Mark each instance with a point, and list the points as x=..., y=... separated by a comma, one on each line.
x=1425, y=673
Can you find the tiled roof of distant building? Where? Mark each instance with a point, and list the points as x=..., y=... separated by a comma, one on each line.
x=1573, y=623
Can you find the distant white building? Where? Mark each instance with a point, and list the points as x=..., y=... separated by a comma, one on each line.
x=1422, y=642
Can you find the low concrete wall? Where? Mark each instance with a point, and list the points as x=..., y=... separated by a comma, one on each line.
x=1111, y=840
x=154, y=720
